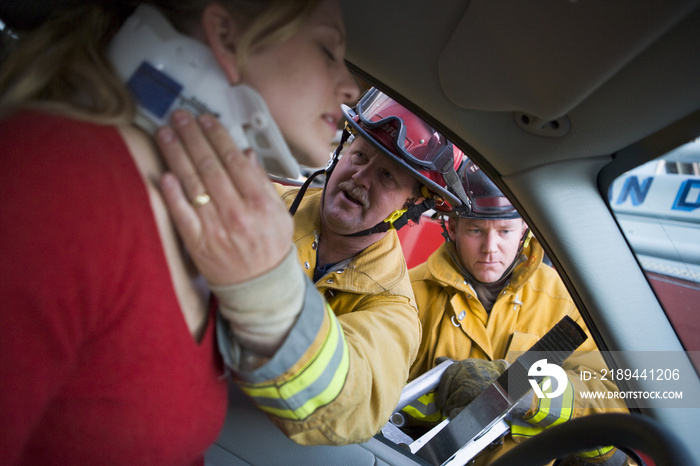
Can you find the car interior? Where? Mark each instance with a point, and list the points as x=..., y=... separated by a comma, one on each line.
x=558, y=101
x=554, y=100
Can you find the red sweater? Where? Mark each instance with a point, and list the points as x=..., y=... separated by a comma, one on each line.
x=97, y=364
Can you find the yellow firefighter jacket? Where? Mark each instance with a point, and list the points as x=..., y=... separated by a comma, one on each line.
x=346, y=372
x=456, y=325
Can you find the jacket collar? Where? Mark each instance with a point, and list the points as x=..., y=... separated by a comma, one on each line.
x=377, y=268
x=443, y=267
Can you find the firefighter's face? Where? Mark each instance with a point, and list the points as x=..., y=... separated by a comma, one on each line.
x=365, y=188
x=486, y=248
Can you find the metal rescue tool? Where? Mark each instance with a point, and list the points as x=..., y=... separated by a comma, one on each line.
x=483, y=420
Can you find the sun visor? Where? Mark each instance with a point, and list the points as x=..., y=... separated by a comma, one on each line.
x=545, y=57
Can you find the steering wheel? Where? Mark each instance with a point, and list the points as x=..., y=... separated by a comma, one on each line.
x=621, y=430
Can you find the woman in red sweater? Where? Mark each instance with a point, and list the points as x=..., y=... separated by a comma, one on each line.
x=108, y=349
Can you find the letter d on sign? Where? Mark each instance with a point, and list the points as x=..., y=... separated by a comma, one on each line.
x=684, y=199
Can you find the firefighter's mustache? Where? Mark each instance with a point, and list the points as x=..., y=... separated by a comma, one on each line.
x=355, y=192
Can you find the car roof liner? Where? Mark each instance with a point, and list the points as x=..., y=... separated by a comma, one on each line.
x=601, y=37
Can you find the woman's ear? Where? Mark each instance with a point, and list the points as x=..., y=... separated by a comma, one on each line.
x=221, y=34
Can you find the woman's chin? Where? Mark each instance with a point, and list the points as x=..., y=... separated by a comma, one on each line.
x=313, y=157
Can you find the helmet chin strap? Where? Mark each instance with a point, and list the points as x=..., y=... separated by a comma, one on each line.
x=300, y=195
x=327, y=170
x=398, y=218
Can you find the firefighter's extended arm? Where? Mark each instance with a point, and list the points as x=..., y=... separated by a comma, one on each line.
x=290, y=331
x=261, y=312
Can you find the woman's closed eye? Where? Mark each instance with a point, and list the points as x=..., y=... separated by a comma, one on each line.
x=329, y=55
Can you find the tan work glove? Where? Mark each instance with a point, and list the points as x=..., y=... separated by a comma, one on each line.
x=465, y=380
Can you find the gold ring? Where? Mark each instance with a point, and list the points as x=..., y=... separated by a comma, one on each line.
x=201, y=199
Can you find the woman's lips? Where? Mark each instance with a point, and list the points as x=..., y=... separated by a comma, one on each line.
x=332, y=120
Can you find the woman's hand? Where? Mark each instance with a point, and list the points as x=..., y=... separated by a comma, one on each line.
x=233, y=223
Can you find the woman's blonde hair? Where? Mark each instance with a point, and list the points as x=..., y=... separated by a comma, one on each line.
x=62, y=64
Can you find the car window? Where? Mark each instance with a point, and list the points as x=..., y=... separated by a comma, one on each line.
x=657, y=206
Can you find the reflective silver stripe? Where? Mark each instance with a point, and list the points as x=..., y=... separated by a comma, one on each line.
x=424, y=409
x=297, y=342
x=552, y=411
x=316, y=385
x=425, y=405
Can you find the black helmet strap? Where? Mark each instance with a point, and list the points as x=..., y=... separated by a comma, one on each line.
x=412, y=213
x=328, y=170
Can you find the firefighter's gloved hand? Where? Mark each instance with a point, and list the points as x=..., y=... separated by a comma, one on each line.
x=465, y=380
